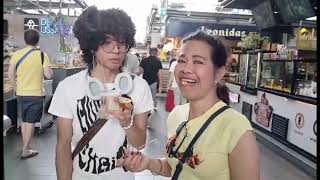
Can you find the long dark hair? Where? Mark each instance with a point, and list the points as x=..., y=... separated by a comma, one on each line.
x=219, y=55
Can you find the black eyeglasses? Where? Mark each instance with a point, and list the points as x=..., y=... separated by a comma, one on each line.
x=109, y=46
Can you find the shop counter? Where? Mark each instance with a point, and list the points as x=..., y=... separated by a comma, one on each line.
x=288, y=119
x=10, y=104
x=59, y=73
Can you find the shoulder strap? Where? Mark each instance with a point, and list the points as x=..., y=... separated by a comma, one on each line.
x=24, y=57
x=42, y=57
x=92, y=131
x=180, y=127
x=193, y=141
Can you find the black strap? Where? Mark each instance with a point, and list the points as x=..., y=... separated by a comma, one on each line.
x=193, y=141
x=24, y=57
x=92, y=131
x=42, y=57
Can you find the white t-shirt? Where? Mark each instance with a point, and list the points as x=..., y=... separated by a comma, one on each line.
x=172, y=67
x=98, y=159
x=132, y=64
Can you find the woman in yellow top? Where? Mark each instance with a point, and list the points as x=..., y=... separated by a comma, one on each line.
x=227, y=148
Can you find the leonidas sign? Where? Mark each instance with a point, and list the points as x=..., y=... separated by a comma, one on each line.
x=224, y=32
x=179, y=28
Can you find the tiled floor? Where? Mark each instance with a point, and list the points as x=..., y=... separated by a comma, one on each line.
x=42, y=167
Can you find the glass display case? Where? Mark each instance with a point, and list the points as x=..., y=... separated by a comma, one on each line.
x=277, y=75
x=242, y=68
x=252, y=71
x=306, y=79
x=232, y=69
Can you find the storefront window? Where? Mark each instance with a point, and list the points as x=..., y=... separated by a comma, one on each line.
x=252, y=71
x=277, y=75
x=306, y=76
x=242, y=68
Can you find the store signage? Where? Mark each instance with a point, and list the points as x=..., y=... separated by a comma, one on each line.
x=263, y=111
x=224, y=32
x=47, y=26
x=314, y=139
x=236, y=51
x=182, y=28
x=299, y=122
x=299, y=119
x=234, y=97
x=315, y=128
x=31, y=23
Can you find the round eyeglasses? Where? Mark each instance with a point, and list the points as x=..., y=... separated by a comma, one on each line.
x=109, y=46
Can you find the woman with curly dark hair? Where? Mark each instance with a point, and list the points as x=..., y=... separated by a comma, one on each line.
x=105, y=36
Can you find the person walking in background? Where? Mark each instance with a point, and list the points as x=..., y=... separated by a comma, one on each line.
x=150, y=67
x=178, y=98
x=138, y=56
x=226, y=148
x=105, y=37
x=132, y=64
x=26, y=72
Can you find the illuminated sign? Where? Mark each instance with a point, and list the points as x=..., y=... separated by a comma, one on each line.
x=31, y=23
x=47, y=26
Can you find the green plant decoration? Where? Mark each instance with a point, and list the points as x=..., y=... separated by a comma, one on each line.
x=254, y=40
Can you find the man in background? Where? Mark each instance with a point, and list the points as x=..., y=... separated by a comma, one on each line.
x=178, y=98
x=132, y=64
x=26, y=73
x=150, y=67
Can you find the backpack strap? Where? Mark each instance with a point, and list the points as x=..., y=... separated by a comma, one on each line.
x=42, y=57
x=189, y=149
x=24, y=57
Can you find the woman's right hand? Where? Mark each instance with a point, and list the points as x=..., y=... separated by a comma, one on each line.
x=134, y=161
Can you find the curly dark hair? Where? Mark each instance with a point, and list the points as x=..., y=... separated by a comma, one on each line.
x=219, y=55
x=93, y=26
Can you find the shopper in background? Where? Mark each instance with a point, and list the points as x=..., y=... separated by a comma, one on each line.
x=178, y=98
x=27, y=70
x=227, y=149
x=132, y=64
x=105, y=36
x=138, y=56
x=150, y=69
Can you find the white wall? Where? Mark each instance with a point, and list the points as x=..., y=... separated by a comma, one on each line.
x=305, y=137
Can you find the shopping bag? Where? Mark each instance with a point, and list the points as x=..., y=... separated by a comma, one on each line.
x=170, y=100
